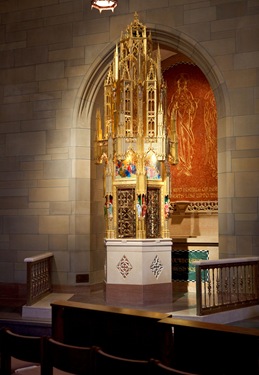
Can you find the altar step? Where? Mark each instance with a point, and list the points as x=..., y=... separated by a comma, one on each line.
x=42, y=309
x=224, y=317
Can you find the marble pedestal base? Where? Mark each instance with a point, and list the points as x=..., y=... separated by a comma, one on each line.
x=138, y=271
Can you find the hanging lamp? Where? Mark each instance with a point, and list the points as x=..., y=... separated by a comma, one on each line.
x=104, y=5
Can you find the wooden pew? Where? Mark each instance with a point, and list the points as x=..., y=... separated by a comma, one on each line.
x=158, y=368
x=213, y=349
x=70, y=359
x=106, y=363
x=122, y=332
x=20, y=351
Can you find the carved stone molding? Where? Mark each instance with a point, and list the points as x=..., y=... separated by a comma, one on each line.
x=184, y=207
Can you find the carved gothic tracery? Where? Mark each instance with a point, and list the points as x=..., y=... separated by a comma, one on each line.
x=132, y=141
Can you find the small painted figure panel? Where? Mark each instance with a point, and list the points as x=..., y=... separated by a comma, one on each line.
x=152, y=166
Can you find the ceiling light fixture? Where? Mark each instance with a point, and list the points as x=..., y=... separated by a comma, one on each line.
x=104, y=5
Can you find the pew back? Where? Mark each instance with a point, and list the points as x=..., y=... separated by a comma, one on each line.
x=20, y=351
x=70, y=359
x=158, y=368
x=123, y=332
x=115, y=365
x=213, y=348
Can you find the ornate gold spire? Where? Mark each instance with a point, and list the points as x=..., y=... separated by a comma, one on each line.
x=133, y=140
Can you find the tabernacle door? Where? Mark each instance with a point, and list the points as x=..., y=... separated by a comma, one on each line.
x=153, y=213
x=126, y=213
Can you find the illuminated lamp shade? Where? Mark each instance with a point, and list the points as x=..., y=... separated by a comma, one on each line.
x=104, y=4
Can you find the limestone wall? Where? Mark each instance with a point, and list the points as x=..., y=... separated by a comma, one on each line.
x=53, y=58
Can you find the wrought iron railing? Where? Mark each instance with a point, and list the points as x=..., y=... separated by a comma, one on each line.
x=226, y=284
x=38, y=277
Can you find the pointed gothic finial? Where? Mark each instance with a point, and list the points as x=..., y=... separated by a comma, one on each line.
x=116, y=63
x=159, y=72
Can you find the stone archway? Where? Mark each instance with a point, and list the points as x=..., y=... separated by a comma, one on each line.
x=90, y=97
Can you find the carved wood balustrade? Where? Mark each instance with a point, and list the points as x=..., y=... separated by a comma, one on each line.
x=38, y=277
x=226, y=284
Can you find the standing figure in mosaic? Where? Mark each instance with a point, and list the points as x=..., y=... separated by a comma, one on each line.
x=182, y=109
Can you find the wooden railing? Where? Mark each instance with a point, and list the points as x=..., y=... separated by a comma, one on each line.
x=226, y=284
x=187, y=345
x=38, y=277
x=213, y=348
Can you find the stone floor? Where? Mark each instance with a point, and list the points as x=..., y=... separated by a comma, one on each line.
x=183, y=306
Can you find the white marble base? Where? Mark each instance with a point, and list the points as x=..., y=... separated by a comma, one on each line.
x=138, y=268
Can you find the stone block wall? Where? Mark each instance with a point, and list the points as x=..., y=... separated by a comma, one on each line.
x=53, y=58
